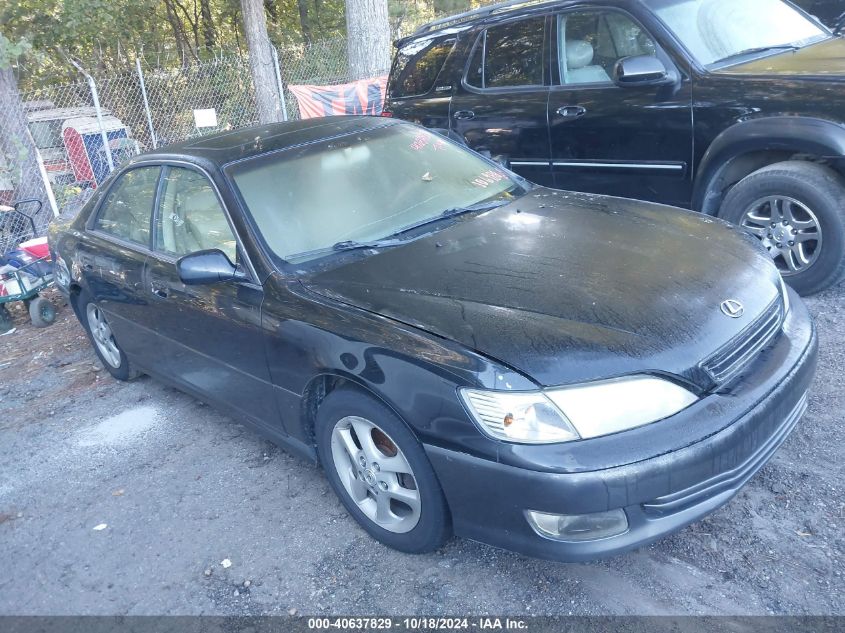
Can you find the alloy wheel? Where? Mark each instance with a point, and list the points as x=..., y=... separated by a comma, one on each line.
x=102, y=335
x=375, y=474
x=789, y=230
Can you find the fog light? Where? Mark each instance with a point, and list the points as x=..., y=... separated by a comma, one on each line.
x=579, y=527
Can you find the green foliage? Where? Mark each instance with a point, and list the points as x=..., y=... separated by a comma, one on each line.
x=10, y=51
x=107, y=34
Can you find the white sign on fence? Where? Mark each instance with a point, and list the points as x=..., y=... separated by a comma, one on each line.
x=205, y=118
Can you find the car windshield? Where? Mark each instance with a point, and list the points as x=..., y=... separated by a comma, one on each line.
x=727, y=31
x=361, y=188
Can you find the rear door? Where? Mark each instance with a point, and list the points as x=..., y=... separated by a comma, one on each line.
x=209, y=337
x=113, y=254
x=500, y=106
x=417, y=90
x=633, y=141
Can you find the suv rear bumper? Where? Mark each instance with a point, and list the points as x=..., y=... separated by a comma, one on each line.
x=659, y=495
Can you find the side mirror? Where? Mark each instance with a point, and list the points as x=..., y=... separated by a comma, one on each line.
x=207, y=267
x=640, y=70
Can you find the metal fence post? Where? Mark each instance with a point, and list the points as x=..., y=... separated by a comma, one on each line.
x=99, y=110
x=279, y=84
x=93, y=87
x=146, y=103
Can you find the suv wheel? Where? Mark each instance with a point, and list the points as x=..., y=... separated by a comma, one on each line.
x=380, y=472
x=797, y=209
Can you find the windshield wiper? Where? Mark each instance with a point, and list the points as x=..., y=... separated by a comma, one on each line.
x=451, y=213
x=348, y=245
x=758, y=49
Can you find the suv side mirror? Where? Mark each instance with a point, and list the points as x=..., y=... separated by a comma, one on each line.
x=207, y=267
x=640, y=70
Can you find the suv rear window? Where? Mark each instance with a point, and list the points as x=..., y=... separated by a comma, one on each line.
x=417, y=66
x=509, y=55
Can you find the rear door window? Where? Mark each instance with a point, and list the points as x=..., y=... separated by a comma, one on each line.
x=509, y=55
x=127, y=211
x=417, y=66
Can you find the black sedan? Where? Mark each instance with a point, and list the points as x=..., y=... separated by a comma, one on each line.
x=560, y=374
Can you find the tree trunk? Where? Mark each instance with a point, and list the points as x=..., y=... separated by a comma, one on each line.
x=368, y=38
x=16, y=144
x=261, y=61
x=305, y=22
x=207, y=24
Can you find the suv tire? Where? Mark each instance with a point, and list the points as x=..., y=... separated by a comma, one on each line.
x=803, y=187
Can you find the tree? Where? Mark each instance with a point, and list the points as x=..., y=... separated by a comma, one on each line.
x=367, y=37
x=261, y=61
x=16, y=143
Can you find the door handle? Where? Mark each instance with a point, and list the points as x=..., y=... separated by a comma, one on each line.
x=464, y=115
x=159, y=292
x=571, y=112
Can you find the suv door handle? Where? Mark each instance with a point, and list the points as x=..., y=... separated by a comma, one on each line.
x=159, y=292
x=464, y=115
x=571, y=112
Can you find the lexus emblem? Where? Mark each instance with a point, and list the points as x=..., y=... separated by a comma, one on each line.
x=732, y=308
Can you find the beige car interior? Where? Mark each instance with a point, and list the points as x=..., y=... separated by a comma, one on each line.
x=126, y=211
x=594, y=42
x=190, y=218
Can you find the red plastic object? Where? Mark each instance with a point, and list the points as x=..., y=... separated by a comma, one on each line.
x=36, y=247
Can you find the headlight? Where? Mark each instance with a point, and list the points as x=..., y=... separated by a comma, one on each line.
x=577, y=412
x=610, y=406
x=527, y=418
x=784, y=292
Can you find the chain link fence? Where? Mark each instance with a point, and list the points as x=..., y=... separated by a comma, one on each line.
x=84, y=130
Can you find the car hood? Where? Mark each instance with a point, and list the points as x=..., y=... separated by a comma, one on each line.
x=568, y=287
x=825, y=60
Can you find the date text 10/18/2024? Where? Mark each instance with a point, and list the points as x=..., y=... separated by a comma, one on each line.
x=418, y=623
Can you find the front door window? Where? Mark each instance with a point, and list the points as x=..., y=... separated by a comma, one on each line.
x=591, y=42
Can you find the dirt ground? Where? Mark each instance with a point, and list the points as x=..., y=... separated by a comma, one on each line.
x=132, y=498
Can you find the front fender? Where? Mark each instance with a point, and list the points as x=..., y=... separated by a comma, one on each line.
x=791, y=134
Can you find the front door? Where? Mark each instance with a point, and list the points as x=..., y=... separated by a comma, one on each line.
x=499, y=106
x=209, y=336
x=633, y=141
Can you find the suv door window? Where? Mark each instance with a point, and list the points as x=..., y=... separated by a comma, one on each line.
x=127, y=210
x=417, y=66
x=509, y=55
x=190, y=217
x=591, y=42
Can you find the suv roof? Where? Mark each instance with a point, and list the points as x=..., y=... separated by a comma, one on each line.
x=469, y=18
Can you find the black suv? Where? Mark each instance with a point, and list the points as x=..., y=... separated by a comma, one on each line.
x=729, y=107
x=831, y=12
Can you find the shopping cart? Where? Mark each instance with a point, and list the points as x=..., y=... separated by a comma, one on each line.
x=25, y=266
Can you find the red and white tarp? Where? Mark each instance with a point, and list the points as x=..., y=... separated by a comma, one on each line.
x=365, y=96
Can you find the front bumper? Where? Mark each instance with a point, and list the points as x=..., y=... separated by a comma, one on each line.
x=660, y=494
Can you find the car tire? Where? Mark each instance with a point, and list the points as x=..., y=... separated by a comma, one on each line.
x=102, y=340
x=805, y=193
x=42, y=313
x=405, y=511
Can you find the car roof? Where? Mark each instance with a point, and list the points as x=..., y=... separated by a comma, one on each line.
x=225, y=147
x=490, y=12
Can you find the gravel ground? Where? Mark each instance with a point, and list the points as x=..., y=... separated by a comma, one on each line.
x=134, y=498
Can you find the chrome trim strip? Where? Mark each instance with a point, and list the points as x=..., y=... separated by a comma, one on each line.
x=666, y=166
x=530, y=163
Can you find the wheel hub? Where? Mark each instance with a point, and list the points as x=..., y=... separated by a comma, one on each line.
x=375, y=474
x=370, y=478
x=788, y=229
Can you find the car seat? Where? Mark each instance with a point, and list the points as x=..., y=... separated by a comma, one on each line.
x=579, y=68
